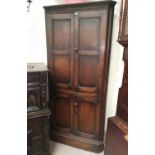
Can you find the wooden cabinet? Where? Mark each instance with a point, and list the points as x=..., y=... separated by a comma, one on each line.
x=116, y=141
x=123, y=28
x=37, y=87
x=78, y=49
x=37, y=109
x=37, y=133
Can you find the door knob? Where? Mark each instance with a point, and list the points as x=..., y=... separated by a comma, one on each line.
x=76, y=49
x=75, y=104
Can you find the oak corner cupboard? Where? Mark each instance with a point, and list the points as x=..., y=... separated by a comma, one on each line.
x=78, y=52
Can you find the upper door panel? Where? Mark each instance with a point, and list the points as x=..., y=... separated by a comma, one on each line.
x=60, y=48
x=90, y=35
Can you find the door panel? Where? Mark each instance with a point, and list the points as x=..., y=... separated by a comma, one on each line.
x=87, y=71
x=60, y=49
x=63, y=112
x=86, y=120
x=90, y=35
x=62, y=69
x=62, y=34
x=87, y=116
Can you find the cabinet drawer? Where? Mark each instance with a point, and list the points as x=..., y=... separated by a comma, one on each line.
x=37, y=135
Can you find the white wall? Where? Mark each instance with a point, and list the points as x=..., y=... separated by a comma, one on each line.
x=36, y=47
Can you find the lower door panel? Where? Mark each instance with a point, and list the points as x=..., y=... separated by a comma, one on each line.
x=76, y=120
x=87, y=117
x=62, y=113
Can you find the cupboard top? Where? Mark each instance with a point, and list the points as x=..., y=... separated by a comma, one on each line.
x=90, y=5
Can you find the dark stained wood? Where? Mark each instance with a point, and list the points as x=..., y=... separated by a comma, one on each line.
x=37, y=134
x=37, y=109
x=37, y=86
x=88, y=116
x=78, y=49
x=123, y=29
x=116, y=142
x=90, y=40
x=60, y=45
x=62, y=111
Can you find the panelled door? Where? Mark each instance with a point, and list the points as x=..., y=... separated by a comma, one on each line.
x=60, y=36
x=86, y=117
x=63, y=112
x=90, y=36
x=60, y=46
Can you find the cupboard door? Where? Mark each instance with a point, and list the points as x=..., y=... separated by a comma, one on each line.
x=37, y=135
x=86, y=117
x=62, y=112
x=60, y=46
x=90, y=36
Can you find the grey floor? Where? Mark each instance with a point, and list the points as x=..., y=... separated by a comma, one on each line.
x=60, y=149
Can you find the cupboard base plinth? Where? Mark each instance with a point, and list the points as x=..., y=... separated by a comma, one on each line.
x=76, y=141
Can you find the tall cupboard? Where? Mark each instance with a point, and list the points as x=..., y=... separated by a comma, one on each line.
x=78, y=52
